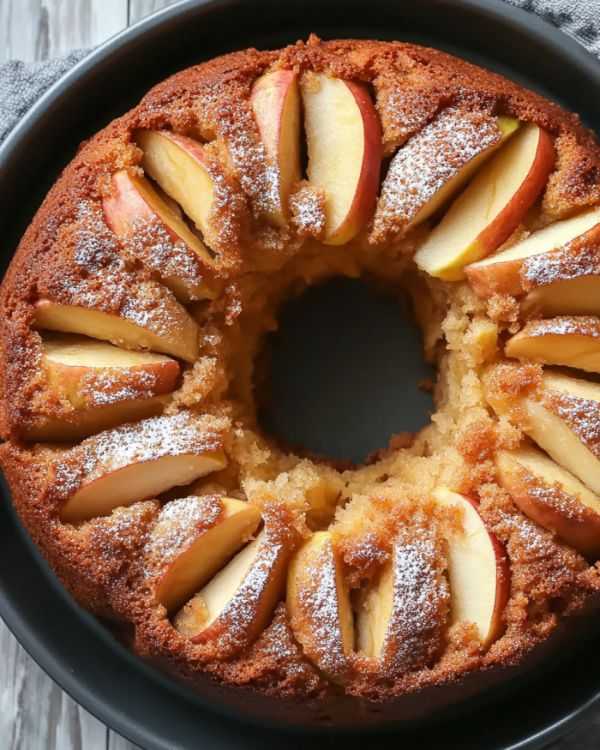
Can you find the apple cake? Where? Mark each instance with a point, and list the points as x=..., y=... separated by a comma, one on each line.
x=140, y=298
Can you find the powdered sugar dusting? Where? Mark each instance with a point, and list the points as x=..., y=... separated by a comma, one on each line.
x=281, y=647
x=150, y=243
x=130, y=444
x=112, y=385
x=177, y=527
x=95, y=276
x=318, y=602
x=238, y=619
x=308, y=211
x=581, y=325
x=535, y=544
x=404, y=111
x=580, y=414
x=258, y=176
x=574, y=260
x=427, y=162
x=553, y=496
x=228, y=208
x=421, y=599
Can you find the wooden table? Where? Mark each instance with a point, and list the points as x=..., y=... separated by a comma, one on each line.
x=35, y=714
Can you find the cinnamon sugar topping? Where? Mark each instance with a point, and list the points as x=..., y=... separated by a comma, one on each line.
x=422, y=599
x=177, y=527
x=129, y=444
x=427, y=162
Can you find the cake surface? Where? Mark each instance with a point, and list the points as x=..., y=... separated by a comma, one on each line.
x=140, y=298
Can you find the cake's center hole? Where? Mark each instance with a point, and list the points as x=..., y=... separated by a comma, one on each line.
x=346, y=366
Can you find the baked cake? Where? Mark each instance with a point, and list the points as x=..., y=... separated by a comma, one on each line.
x=141, y=296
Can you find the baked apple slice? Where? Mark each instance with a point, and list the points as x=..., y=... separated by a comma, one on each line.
x=559, y=417
x=235, y=606
x=578, y=295
x=552, y=497
x=505, y=272
x=478, y=570
x=568, y=341
x=491, y=207
x=157, y=235
x=401, y=620
x=151, y=319
x=276, y=105
x=182, y=169
x=192, y=539
x=92, y=385
x=343, y=135
x=134, y=462
x=434, y=164
x=319, y=607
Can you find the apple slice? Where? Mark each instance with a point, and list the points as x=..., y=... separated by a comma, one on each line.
x=192, y=539
x=434, y=164
x=552, y=497
x=182, y=169
x=507, y=271
x=491, y=207
x=276, y=105
x=134, y=462
x=561, y=417
x=75, y=425
x=91, y=386
x=158, y=236
x=478, y=570
x=344, y=152
x=319, y=608
x=568, y=341
x=579, y=295
x=401, y=621
x=150, y=319
x=562, y=424
x=233, y=609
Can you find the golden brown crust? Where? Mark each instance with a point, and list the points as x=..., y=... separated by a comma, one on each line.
x=69, y=256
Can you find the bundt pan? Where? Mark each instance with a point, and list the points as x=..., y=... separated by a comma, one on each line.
x=77, y=651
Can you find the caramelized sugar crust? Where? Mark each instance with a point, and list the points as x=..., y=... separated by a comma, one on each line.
x=69, y=256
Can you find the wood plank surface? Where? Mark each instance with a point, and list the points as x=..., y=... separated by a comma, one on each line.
x=35, y=714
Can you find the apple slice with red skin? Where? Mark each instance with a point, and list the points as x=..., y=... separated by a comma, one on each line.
x=193, y=538
x=491, y=207
x=552, y=497
x=434, y=164
x=344, y=152
x=92, y=385
x=133, y=462
x=135, y=211
x=570, y=341
x=556, y=415
x=275, y=102
x=478, y=570
x=505, y=272
x=235, y=606
x=319, y=608
x=182, y=168
x=81, y=424
x=558, y=421
x=166, y=327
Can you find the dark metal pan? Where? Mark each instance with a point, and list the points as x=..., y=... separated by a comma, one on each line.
x=70, y=645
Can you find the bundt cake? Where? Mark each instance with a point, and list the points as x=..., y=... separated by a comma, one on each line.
x=142, y=293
